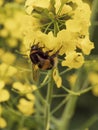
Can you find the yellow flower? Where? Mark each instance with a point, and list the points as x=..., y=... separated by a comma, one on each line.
x=64, y=25
x=2, y=84
x=48, y=40
x=93, y=78
x=81, y=19
x=12, y=42
x=11, y=71
x=4, y=95
x=66, y=8
x=11, y=20
x=26, y=107
x=6, y=70
x=66, y=39
x=81, y=13
x=52, y=43
x=30, y=96
x=10, y=24
x=30, y=4
x=95, y=90
x=31, y=37
x=8, y=58
x=3, y=123
x=73, y=60
x=74, y=25
x=3, y=33
x=23, y=88
x=86, y=45
x=1, y=2
x=57, y=78
x=72, y=79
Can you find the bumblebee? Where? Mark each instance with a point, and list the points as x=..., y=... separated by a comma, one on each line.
x=42, y=59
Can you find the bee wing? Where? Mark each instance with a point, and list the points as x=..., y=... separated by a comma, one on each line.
x=35, y=71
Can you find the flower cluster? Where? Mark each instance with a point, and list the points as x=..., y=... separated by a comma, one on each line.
x=11, y=28
x=56, y=23
x=26, y=106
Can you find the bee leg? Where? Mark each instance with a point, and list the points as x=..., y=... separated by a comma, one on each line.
x=47, y=52
x=56, y=53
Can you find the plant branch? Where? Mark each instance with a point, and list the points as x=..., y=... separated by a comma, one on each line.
x=48, y=100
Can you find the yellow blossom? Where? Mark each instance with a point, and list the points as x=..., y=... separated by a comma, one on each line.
x=74, y=25
x=81, y=13
x=8, y=58
x=66, y=39
x=93, y=78
x=1, y=2
x=48, y=40
x=52, y=43
x=26, y=107
x=12, y=42
x=6, y=70
x=72, y=79
x=95, y=90
x=22, y=88
x=30, y=4
x=4, y=95
x=86, y=45
x=65, y=27
x=57, y=78
x=10, y=24
x=11, y=71
x=30, y=96
x=81, y=19
x=11, y=20
x=31, y=37
x=73, y=60
x=3, y=33
x=66, y=8
x=30, y=24
x=34, y=87
x=2, y=84
x=3, y=123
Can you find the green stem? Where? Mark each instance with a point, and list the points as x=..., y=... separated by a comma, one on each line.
x=60, y=9
x=48, y=27
x=68, y=113
x=70, y=106
x=48, y=100
x=60, y=105
x=89, y=122
x=93, y=18
x=21, y=123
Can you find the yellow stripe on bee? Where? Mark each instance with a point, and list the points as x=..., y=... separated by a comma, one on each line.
x=46, y=65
